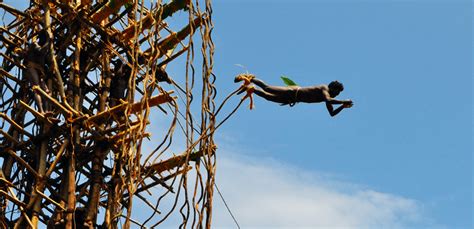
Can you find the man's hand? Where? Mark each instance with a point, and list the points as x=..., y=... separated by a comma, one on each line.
x=348, y=104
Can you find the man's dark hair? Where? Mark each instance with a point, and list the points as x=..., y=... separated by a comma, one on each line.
x=335, y=85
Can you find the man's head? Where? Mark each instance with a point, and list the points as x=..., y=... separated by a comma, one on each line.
x=42, y=37
x=335, y=88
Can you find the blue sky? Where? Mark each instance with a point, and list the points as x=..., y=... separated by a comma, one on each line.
x=401, y=157
x=407, y=65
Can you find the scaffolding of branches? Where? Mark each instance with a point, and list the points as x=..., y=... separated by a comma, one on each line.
x=79, y=82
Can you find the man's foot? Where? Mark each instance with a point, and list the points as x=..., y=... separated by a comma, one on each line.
x=244, y=77
x=238, y=78
x=49, y=115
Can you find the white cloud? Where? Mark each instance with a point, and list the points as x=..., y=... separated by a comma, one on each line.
x=263, y=193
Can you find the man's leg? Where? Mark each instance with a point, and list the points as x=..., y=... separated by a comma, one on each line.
x=278, y=90
x=33, y=77
x=271, y=93
x=268, y=96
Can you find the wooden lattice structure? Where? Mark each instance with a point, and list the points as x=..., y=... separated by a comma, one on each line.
x=79, y=81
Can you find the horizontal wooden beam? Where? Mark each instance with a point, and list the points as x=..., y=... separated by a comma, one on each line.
x=176, y=161
x=133, y=108
x=113, y=6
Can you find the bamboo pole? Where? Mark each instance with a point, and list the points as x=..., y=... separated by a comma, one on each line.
x=71, y=190
x=99, y=155
x=45, y=152
x=111, y=7
x=52, y=56
x=134, y=108
x=12, y=10
x=99, y=152
x=172, y=40
x=10, y=77
x=149, y=20
x=175, y=162
x=15, y=125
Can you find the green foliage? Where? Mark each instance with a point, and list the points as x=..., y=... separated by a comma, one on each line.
x=288, y=81
x=128, y=5
x=112, y=4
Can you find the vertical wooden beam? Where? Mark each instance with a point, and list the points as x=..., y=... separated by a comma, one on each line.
x=99, y=152
x=76, y=141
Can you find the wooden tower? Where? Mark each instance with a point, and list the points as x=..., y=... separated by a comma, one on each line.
x=82, y=83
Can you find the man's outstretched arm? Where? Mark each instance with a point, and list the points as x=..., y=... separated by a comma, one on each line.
x=331, y=110
x=336, y=101
x=330, y=101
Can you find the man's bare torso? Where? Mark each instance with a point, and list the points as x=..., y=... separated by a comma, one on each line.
x=312, y=94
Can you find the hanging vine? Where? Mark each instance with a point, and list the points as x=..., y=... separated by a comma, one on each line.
x=82, y=84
